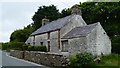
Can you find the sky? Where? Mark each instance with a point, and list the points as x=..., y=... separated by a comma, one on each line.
x=16, y=14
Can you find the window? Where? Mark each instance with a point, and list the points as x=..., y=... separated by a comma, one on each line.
x=65, y=46
x=28, y=43
x=41, y=43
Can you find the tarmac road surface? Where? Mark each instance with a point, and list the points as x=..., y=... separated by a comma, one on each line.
x=7, y=61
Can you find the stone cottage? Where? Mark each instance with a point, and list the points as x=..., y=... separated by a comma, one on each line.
x=71, y=35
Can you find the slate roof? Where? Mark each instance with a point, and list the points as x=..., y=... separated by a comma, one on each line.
x=80, y=31
x=57, y=24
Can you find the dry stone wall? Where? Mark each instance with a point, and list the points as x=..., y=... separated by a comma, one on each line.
x=17, y=53
x=48, y=59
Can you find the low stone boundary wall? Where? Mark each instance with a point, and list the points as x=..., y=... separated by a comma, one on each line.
x=45, y=58
x=17, y=53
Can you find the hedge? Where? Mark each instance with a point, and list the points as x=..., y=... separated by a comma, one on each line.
x=37, y=48
x=30, y=48
x=40, y=48
x=25, y=47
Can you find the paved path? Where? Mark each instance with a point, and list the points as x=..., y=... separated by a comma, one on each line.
x=11, y=62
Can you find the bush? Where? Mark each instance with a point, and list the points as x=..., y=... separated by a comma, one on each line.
x=111, y=60
x=5, y=46
x=30, y=48
x=0, y=45
x=40, y=48
x=16, y=45
x=25, y=47
x=81, y=59
x=116, y=45
x=116, y=48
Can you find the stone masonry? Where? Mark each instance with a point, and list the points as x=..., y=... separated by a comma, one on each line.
x=44, y=58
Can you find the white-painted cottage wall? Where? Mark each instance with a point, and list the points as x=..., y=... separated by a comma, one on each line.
x=32, y=40
x=29, y=40
x=96, y=42
x=41, y=38
x=91, y=42
x=75, y=21
x=103, y=41
x=77, y=45
x=54, y=41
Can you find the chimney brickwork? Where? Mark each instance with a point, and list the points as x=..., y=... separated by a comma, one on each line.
x=76, y=10
x=45, y=21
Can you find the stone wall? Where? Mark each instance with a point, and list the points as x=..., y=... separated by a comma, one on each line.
x=17, y=53
x=103, y=41
x=44, y=58
x=77, y=45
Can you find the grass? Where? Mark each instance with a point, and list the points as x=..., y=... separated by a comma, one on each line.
x=109, y=60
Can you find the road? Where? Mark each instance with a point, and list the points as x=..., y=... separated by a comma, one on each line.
x=11, y=62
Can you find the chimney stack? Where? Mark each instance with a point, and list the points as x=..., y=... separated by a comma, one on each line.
x=76, y=10
x=45, y=21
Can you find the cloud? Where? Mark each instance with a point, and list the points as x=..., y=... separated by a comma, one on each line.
x=15, y=14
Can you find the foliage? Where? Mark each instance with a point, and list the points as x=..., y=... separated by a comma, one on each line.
x=40, y=48
x=116, y=48
x=21, y=35
x=1, y=46
x=116, y=39
x=30, y=48
x=37, y=48
x=25, y=47
x=108, y=60
x=65, y=12
x=5, y=46
x=51, y=12
x=107, y=13
x=16, y=45
x=81, y=59
x=116, y=44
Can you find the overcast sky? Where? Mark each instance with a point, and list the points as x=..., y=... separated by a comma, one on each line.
x=15, y=14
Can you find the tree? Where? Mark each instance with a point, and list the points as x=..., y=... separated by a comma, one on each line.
x=107, y=13
x=51, y=12
x=65, y=12
x=20, y=35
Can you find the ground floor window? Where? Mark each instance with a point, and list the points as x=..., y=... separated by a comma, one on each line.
x=41, y=43
x=65, y=46
x=28, y=43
